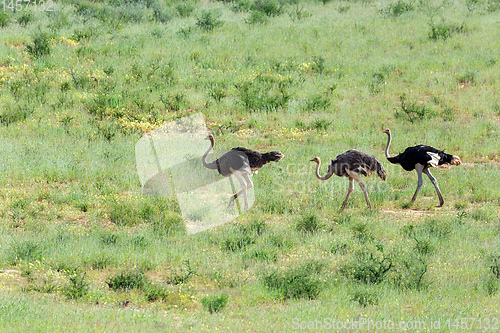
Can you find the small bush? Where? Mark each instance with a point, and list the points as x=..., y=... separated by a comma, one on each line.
x=77, y=286
x=265, y=91
x=182, y=276
x=396, y=9
x=443, y=30
x=268, y=7
x=309, y=223
x=491, y=285
x=14, y=115
x=154, y=292
x=300, y=282
x=413, y=111
x=4, y=19
x=215, y=303
x=209, y=20
x=185, y=8
x=368, y=265
x=467, y=78
x=25, y=18
x=40, y=46
x=364, y=297
x=409, y=272
x=127, y=281
x=257, y=17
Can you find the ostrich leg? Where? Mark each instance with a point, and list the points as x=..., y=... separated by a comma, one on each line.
x=349, y=190
x=243, y=190
x=419, y=168
x=434, y=182
x=363, y=188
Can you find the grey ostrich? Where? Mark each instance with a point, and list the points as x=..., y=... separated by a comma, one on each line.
x=240, y=162
x=353, y=163
x=421, y=158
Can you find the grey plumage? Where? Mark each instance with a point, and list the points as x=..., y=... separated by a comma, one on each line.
x=352, y=164
x=241, y=163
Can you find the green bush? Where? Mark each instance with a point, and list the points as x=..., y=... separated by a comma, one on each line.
x=413, y=111
x=209, y=20
x=364, y=297
x=443, y=30
x=396, y=9
x=308, y=223
x=41, y=45
x=215, y=303
x=127, y=281
x=154, y=292
x=300, y=282
x=265, y=91
x=4, y=19
x=369, y=265
x=77, y=285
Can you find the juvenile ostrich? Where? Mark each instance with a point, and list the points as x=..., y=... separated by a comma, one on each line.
x=240, y=162
x=421, y=158
x=352, y=164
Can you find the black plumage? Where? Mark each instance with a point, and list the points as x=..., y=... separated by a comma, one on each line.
x=420, y=155
x=352, y=164
x=421, y=158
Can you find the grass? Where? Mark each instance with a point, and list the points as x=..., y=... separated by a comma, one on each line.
x=82, y=249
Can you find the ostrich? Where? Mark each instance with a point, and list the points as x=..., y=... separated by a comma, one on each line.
x=240, y=162
x=352, y=164
x=421, y=158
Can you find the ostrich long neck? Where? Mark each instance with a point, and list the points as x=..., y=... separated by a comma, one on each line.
x=388, y=144
x=328, y=174
x=212, y=165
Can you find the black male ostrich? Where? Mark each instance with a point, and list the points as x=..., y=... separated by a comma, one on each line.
x=352, y=164
x=240, y=162
x=421, y=158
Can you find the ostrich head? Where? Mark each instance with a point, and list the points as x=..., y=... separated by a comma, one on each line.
x=387, y=131
x=456, y=160
x=330, y=169
x=211, y=138
x=316, y=159
x=275, y=156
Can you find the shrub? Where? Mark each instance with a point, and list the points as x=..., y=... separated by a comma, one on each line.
x=413, y=111
x=443, y=30
x=268, y=7
x=14, y=115
x=368, y=265
x=409, y=272
x=300, y=282
x=127, y=281
x=396, y=9
x=309, y=223
x=154, y=292
x=185, y=8
x=209, y=20
x=257, y=17
x=215, y=303
x=77, y=286
x=181, y=276
x=364, y=297
x=4, y=19
x=40, y=46
x=265, y=91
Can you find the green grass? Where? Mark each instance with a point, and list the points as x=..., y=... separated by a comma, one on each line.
x=81, y=249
